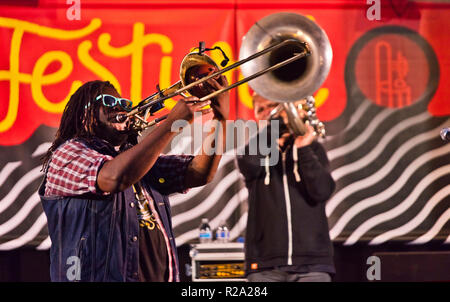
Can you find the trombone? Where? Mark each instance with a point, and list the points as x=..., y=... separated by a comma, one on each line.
x=193, y=61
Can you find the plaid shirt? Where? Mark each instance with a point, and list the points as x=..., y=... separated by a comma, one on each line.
x=75, y=164
x=74, y=167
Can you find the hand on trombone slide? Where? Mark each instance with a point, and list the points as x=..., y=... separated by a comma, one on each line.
x=219, y=105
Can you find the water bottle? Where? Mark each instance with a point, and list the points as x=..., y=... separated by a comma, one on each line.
x=222, y=233
x=205, y=233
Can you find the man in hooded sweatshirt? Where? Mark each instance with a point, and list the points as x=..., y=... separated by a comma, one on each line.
x=287, y=236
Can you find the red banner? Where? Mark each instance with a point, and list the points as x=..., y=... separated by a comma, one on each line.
x=346, y=21
x=46, y=56
x=138, y=44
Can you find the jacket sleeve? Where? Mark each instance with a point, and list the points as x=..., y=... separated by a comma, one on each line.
x=168, y=173
x=249, y=166
x=315, y=172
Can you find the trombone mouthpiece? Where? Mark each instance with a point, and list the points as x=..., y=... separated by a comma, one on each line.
x=120, y=118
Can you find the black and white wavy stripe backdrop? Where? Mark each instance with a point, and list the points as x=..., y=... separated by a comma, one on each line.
x=392, y=177
x=391, y=168
x=22, y=220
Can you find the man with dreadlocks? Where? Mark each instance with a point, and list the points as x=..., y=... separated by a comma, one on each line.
x=105, y=195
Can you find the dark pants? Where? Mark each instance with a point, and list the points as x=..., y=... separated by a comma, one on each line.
x=281, y=276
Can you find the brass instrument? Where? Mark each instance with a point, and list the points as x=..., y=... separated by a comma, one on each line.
x=296, y=81
x=199, y=65
x=296, y=123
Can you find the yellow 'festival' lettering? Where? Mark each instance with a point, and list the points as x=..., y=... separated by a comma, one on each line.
x=37, y=80
x=244, y=93
x=15, y=77
x=217, y=57
x=321, y=96
x=135, y=49
x=96, y=68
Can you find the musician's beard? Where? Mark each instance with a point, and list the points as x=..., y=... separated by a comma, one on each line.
x=113, y=132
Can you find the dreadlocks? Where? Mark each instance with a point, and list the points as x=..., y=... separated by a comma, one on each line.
x=79, y=116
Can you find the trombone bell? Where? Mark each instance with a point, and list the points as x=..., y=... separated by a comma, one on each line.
x=196, y=66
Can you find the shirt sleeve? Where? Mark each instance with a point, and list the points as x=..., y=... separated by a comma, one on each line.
x=73, y=170
x=168, y=173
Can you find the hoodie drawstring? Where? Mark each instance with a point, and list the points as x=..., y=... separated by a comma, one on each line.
x=267, y=178
x=295, y=156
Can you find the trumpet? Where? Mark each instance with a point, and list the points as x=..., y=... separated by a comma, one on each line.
x=198, y=65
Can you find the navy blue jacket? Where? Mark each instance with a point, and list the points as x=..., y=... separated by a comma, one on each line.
x=95, y=238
